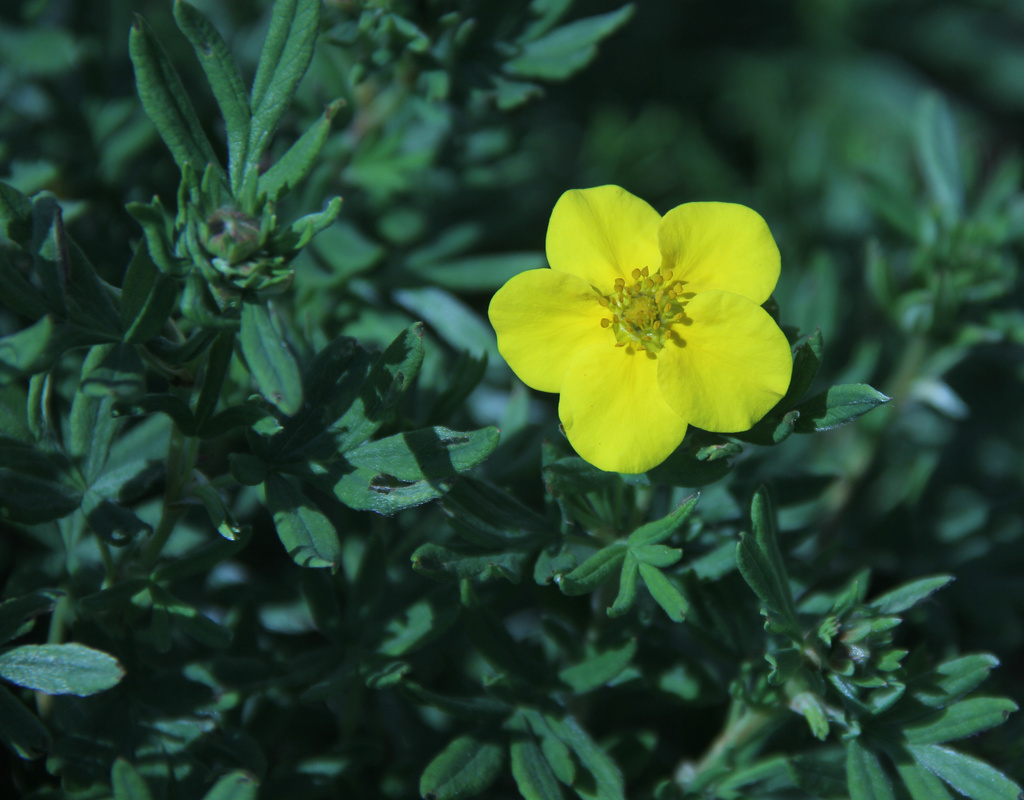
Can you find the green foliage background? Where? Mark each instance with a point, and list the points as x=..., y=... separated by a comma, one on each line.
x=261, y=534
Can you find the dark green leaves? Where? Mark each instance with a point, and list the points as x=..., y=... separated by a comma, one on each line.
x=466, y=767
x=837, y=406
x=60, y=668
x=165, y=101
x=271, y=363
x=306, y=533
x=567, y=49
x=760, y=562
x=968, y=775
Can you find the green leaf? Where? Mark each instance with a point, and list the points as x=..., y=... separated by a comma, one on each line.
x=662, y=529
x=597, y=670
x=785, y=663
x=567, y=49
x=490, y=517
x=958, y=721
x=306, y=533
x=298, y=160
x=937, y=153
x=806, y=362
x=115, y=597
x=607, y=783
x=217, y=364
x=368, y=490
x=952, y=679
x=530, y=769
x=36, y=348
x=817, y=775
x=921, y=783
x=119, y=375
x=61, y=668
x=465, y=768
x=271, y=363
x=479, y=273
x=665, y=592
x=188, y=620
x=286, y=54
x=471, y=708
x=113, y=523
x=837, y=406
x=305, y=228
x=173, y=407
x=426, y=454
x=147, y=298
x=93, y=423
x=657, y=555
x=865, y=777
x=166, y=103
x=18, y=613
x=127, y=783
x=627, y=586
x=20, y=729
x=909, y=595
x=594, y=571
x=157, y=227
x=760, y=564
x=389, y=378
x=450, y=564
x=237, y=785
x=417, y=625
x=966, y=774
x=225, y=80
x=35, y=486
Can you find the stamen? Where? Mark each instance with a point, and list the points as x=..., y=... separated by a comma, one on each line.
x=636, y=274
x=606, y=323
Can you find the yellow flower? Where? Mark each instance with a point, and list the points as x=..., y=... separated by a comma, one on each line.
x=646, y=324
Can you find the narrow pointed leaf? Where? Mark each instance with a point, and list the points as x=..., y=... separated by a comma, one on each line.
x=908, y=595
x=165, y=101
x=225, y=81
x=271, y=363
x=127, y=783
x=665, y=592
x=299, y=159
x=465, y=768
x=20, y=729
x=306, y=533
x=865, y=777
x=959, y=720
x=837, y=406
x=968, y=775
x=660, y=530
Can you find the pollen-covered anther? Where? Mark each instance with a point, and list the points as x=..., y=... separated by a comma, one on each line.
x=644, y=310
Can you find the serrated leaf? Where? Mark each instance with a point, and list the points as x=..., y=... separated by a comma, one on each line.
x=597, y=670
x=909, y=595
x=61, y=668
x=225, y=81
x=567, y=49
x=271, y=363
x=307, y=535
x=660, y=530
x=959, y=720
x=968, y=775
x=665, y=592
x=837, y=406
x=165, y=101
x=594, y=571
x=20, y=729
x=465, y=768
x=865, y=777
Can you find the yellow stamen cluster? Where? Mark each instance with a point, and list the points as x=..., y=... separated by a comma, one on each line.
x=642, y=312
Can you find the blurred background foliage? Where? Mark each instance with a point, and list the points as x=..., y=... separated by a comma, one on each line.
x=879, y=138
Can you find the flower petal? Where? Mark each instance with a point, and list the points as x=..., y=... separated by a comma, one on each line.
x=613, y=413
x=720, y=246
x=543, y=318
x=732, y=366
x=602, y=234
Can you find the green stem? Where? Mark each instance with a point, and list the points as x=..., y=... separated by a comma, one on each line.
x=745, y=725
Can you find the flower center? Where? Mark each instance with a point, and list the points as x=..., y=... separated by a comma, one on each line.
x=642, y=312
